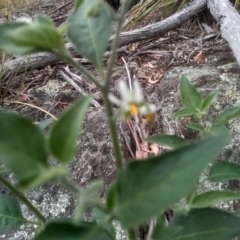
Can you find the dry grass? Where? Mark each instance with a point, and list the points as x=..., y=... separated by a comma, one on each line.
x=11, y=7
x=149, y=11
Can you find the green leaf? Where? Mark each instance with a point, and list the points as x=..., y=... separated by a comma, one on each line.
x=237, y=214
x=49, y=175
x=184, y=112
x=191, y=195
x=10, y=213
x=5, y=29
x=40, y=35
x=144, y=188
x=211, y=197
x=222, y=171
x=216, y=129
x=64, y=229
x=30, y=39
x=227, y=115
x=41, y=19
x=196, y=126
x=45, y=123
x=65, y=132
x=77, y=4
x=111, y=199
x=190, y=97
x=207, y=223
x=4, y=170
x=168, y=140
x=90, y=26
x=22, y=146
x=99, y=216
x=89, y=197
x=207, y=102
x=162, y=232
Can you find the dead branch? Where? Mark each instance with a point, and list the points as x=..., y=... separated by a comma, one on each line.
x=163, y=26
x=41, y=60
x=229, y=20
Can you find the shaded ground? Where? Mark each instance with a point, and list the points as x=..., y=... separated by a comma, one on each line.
x=195, y=49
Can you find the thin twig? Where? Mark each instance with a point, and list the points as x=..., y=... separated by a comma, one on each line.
x=68, y=58
x=81, y=91
x=78, y=78
x=127, y=142
x=61, y=7
x=134, y=133
x=33, y=106
x=151, y=228
x=128, y=73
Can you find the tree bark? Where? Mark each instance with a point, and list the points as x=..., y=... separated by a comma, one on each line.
x=41, y=60
x=229, y=20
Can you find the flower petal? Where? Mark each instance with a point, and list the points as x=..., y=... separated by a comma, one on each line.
x=114, y=99
x=152, y=108
x=124, y=90
x=147, y=109
x=138, y=94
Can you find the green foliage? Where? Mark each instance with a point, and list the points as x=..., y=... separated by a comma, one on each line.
x=208, y=101
x=111, y=197
x=4, y=170
x=143, y=190
x=45, y=123
x=38, y=36
x=152, y=181
x=49, y=175
x=184, y=112
x=222, y=171
x=227, y=115
x=196, y=126
x=98, y=217
x=90, y=26
x=22, y=147
x=196, y=106
x=161, y=231
x=190, y=97
x=206, y=223
x=10, y=213
x=64, y=134
x=208, y=198
x=89, y=198
x=168, y=140
x=63, y=229
x=5, y=44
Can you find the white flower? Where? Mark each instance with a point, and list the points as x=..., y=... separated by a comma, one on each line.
x=24, y=18
x=132, y=101
x=147, y=110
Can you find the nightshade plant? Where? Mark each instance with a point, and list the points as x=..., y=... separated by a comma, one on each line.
x=142, y=190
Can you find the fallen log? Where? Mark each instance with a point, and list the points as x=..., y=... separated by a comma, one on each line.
x=163, y=26
x=40, y=60
x=229, y=20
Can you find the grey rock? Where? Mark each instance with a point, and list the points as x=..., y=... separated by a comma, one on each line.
x=94, y=158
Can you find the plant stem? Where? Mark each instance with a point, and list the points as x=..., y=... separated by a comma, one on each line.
x=115, y=44
x=131, y=234
x=23, y=199
x=105, y=89
x=113, y=132
x=69, y=185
